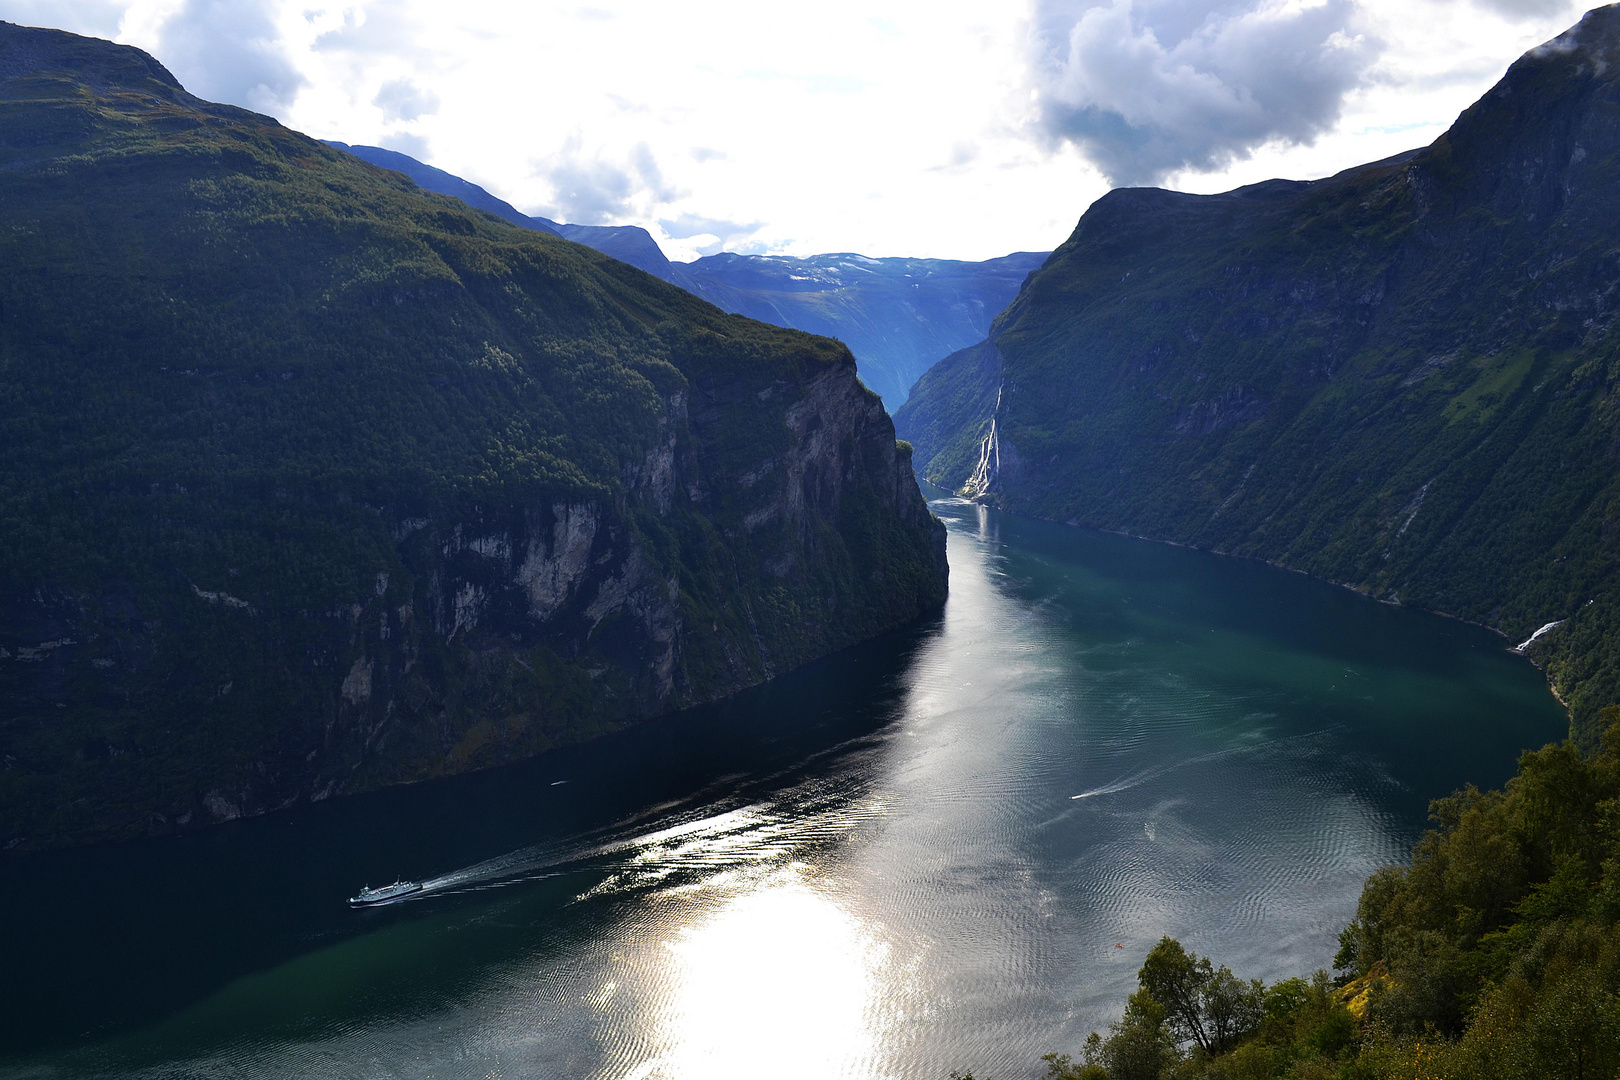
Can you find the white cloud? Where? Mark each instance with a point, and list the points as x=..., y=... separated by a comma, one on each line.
x=230, y=50
x=591, y=190
x=402, y=99
x=1527, y=9
x=1144, y=101
x=378, y=28
x=700, y=235
x=890, y=127
x=93, y=18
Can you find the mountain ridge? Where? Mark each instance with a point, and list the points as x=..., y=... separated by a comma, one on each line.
x=319, y=482
x=1399, y=378
x=898, y=318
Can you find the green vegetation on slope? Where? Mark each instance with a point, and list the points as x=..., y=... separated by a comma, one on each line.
x=1402, y=378
x=1494, y=956
x=315, y=481
x=897, y=315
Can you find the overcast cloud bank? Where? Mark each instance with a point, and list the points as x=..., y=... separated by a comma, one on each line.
x=951, y=128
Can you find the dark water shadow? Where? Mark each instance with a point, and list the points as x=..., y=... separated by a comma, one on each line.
x=108, y=938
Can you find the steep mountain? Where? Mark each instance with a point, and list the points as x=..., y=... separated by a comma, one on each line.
x=316, y=482
x=897, y=315
x=1401, y=378
x=627, y=243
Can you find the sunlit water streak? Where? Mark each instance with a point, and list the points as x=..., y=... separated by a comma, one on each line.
x=1105, y=741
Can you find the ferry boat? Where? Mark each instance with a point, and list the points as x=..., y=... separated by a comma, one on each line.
x=370, y=897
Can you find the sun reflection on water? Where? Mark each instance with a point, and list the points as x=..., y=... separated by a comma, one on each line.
x=779, y=981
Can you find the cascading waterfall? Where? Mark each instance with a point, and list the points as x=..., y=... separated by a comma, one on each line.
x=989, y=467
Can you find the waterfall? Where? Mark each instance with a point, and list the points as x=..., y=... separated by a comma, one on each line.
x=989, y=467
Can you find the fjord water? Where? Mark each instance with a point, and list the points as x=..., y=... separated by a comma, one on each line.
x=948, y=849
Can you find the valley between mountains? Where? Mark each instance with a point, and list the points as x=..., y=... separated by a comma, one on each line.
x=328, y=473
x=1334, y=376
x=1402, y=378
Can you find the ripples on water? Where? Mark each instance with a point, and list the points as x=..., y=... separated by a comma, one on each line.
x=1104, y=742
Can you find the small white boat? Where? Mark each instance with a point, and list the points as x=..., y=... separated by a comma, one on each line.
x=399, y=890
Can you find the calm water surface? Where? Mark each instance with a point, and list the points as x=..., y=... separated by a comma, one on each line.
x=918, y=856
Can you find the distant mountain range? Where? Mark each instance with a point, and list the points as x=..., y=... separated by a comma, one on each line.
x=1405, y=377
x=898, y=316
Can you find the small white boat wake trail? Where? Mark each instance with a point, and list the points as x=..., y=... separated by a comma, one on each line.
x=719, y=835
x=1125, y=783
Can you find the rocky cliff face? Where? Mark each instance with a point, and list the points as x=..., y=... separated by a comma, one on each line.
x=1401, y=378
x=320, y=483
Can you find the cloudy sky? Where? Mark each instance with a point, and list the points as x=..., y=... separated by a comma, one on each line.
x=888, y=127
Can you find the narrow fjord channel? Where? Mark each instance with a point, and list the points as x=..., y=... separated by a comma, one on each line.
x=918, y=856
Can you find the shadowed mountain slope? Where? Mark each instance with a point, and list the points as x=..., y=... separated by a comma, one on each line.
x=1401, y=378
x=317, y=482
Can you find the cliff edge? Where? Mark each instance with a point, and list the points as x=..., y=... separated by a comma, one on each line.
x=318, y=482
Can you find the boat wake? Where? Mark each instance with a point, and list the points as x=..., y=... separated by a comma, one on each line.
x=1125, y=783
x=716, y=836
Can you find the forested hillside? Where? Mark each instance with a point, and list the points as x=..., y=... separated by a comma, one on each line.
x=1494, y=956
x=316, y=482
x=1402, y=378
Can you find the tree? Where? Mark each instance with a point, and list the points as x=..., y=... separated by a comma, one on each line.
x=1064, y=1067
x=1139, y=1044
x=1232, y=1008
x=1210, y=1007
